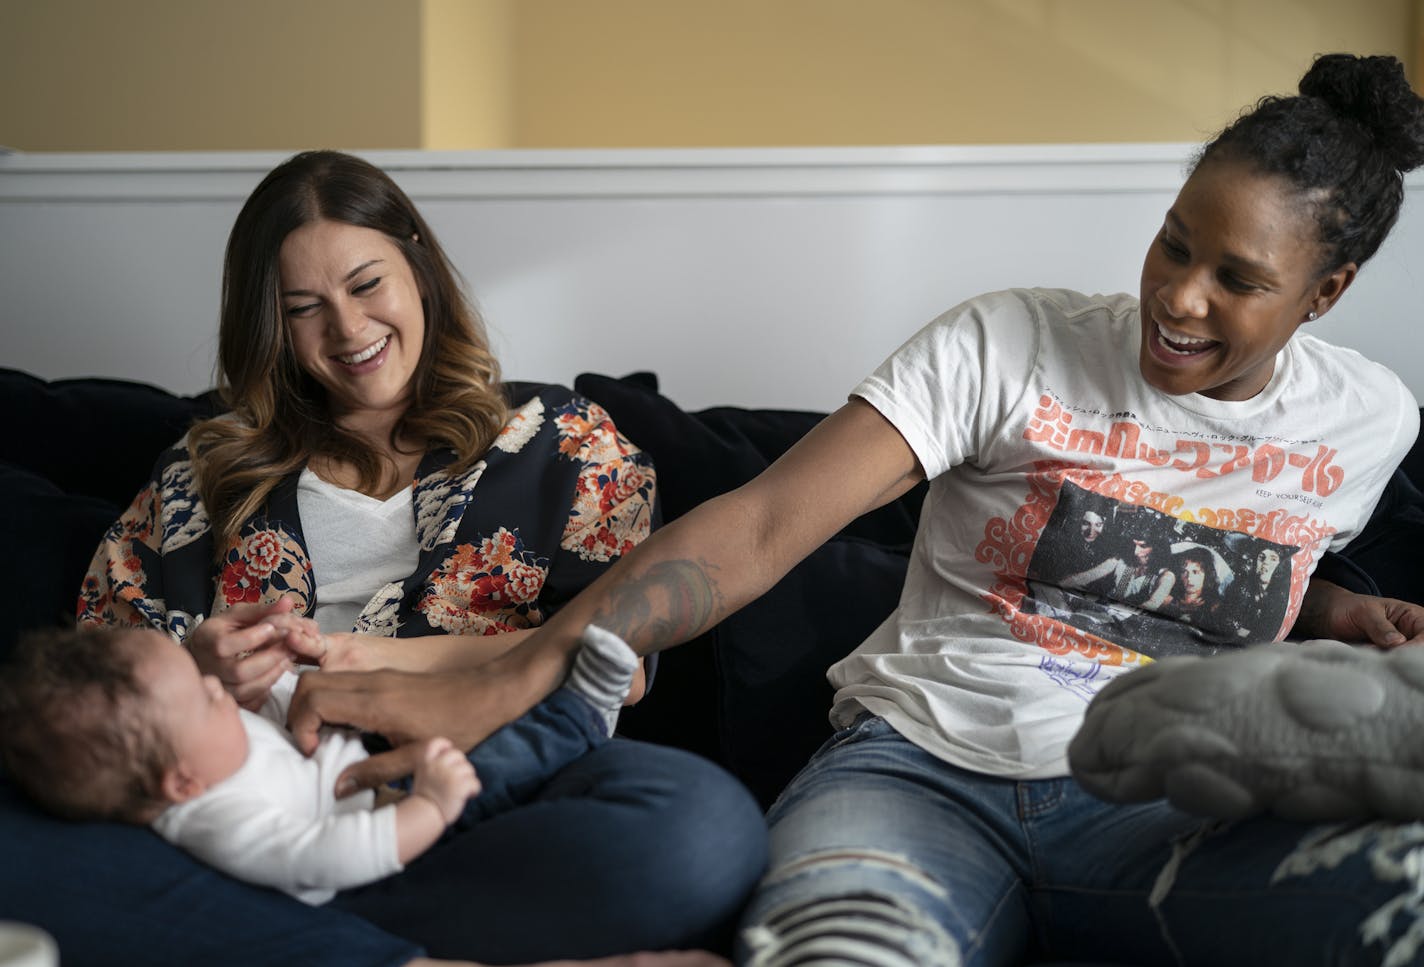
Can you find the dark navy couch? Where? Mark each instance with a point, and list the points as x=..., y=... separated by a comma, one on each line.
x=751, y=694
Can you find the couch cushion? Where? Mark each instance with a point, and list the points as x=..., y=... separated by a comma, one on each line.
x=697, y=455
x=771, y=656
x=701, y=454
x=53, y=536
x=1387, y=550
x=92, y=436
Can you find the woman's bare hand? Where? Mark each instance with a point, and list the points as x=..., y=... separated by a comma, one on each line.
x=249, y=646
x=1330, y=611
x=402, y=706
x=465, y=705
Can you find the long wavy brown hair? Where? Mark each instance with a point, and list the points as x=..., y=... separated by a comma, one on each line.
x=280, y=416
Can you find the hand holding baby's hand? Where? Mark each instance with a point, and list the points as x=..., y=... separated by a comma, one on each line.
x=249, y=646
x=445, y=777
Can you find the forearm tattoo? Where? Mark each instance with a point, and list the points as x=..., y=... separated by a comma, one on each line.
x=670, y=602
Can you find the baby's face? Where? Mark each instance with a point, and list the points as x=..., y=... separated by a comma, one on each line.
x=196, y=713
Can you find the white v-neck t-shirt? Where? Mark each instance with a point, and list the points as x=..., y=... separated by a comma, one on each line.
x=357, y=546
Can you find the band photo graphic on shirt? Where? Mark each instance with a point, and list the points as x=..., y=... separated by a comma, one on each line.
x=1153, y=583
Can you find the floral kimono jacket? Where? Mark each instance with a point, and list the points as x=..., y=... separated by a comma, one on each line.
x=557, y=498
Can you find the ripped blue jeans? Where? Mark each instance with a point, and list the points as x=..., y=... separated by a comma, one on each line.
x=882, y=854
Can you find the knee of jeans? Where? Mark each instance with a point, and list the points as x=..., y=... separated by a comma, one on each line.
x=861, y=906
x=707, y=822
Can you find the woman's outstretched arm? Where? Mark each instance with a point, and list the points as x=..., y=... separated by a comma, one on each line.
x=681, y=581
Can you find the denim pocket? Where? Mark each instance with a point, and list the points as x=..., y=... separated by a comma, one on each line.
x=867, y=725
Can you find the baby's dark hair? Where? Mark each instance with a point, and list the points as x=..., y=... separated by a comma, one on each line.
x=76, y=729
x=1344, y=141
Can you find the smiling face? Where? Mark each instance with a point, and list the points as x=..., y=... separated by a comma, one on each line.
x=1091, y=526
x=1228, y=280
x=357, y=325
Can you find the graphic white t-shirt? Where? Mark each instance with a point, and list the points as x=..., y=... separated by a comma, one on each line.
x=1080, y=523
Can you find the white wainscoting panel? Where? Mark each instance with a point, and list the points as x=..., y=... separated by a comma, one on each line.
x=757, y=277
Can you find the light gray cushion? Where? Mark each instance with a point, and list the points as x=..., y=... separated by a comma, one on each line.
x=1314, y=731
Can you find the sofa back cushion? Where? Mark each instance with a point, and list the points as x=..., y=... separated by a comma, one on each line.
x=97, y=437
x=73, y=454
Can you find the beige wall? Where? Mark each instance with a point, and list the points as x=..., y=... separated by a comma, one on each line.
x=467, y=73
x=747, y=72
x=281, y=74
x=159, y=75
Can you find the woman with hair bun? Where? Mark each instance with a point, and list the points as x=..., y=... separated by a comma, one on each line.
x=940, y=825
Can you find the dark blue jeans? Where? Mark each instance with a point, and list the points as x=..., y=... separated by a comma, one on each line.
x=627, y=846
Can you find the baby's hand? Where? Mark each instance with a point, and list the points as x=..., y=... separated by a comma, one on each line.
x=445, y=777
x=301, y=637
x=249, y=646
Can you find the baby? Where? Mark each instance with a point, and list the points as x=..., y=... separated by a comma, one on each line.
x=119, y=724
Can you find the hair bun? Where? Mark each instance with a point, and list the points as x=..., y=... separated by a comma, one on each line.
x=1374, y=93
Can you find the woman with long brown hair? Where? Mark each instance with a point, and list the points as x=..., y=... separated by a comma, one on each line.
x=375, y=497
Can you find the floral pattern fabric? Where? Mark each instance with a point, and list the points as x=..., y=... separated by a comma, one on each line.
x=558, y=497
